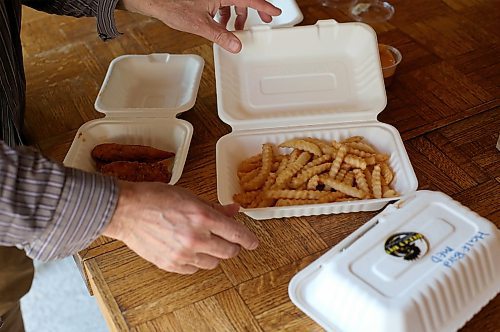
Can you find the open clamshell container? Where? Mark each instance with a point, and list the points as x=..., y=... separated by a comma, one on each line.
x=141, y=96
x=322, y=81
x=425, y=263
x=290, y=16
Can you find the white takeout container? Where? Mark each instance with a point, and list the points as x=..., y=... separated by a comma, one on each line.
x=290, y=16
x=141, y=96
x=323, y=81
x=358, y=285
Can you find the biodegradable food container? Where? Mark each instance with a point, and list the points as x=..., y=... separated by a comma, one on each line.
x=141, y=96
x=290, y=16
x=425, y=263
x=322, y=81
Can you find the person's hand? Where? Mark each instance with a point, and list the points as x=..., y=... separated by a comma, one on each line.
x=197, y=16
x=174, y=229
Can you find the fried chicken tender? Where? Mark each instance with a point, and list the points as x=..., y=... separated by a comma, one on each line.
x=110, y=152
x=134, y=171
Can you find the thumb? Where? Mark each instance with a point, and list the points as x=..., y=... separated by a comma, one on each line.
x=229, y=210
x=219, y=35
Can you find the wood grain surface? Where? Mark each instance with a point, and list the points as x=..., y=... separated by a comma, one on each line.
x=444, y=100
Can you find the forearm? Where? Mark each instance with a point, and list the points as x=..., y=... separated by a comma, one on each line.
x=101, y=9
x=49, y=210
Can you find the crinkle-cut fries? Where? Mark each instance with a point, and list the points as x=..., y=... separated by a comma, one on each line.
x=315, y=171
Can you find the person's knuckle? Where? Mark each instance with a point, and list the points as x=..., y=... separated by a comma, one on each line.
x=237, y=234
x=241, y=10
x=234, y=251
x=200, y=214
x=220, y=37
x=231, y=251
x=177, y=256
x=166, y=265
x=213, y=264
x=191, y=240
x=155, y=259
x=162, y=262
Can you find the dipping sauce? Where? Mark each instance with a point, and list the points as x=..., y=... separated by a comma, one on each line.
x=386, y=57
x=390, y=57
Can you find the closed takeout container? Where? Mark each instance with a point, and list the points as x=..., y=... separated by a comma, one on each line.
x=290, y=16
x=322, y=81
x=425, y=263
x=141, y=96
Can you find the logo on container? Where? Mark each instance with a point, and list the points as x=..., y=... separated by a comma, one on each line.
x=407, y=245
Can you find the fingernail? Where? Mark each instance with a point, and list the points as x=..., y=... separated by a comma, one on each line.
x=234, y=46
x=254, y=245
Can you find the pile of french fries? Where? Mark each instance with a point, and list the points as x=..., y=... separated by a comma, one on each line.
x=315, y=171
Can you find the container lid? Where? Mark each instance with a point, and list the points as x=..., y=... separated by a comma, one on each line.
x=290, y=15
x=324, y=73
x=154, y=85
x=426, y=263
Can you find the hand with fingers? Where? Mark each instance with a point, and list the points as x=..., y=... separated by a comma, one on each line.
x=174, y=229
x=197, y=16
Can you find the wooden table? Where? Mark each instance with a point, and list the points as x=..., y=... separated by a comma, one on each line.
x=444, y=101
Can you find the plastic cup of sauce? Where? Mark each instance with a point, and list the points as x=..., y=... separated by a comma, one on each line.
x=390, y=58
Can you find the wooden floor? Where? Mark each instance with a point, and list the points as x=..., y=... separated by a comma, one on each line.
x=444, y=101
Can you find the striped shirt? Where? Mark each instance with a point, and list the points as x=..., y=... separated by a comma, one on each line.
x=47, y=209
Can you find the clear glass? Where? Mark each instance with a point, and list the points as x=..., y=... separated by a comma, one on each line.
x=371, y=11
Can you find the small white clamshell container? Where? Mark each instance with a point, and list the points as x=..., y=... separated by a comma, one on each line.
x=322, y=81
x=375, y=280
x=141, y=96
x=290, y=16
